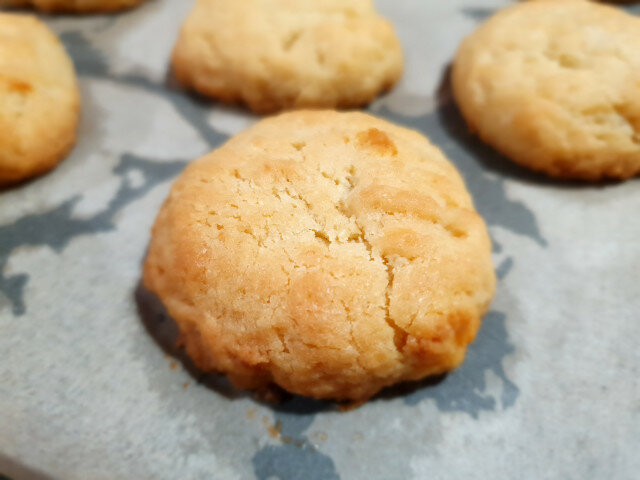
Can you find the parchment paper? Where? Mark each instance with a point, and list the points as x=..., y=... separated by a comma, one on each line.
x=89, y=388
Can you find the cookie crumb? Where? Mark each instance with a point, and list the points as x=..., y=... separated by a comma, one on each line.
x=320, y=436
x=275, y=430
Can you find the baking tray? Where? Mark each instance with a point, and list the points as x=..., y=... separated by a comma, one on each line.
x=91, y=386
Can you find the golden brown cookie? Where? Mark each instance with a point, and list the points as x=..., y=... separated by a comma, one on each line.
x=39, y=99
x=77, y=6
x=554, y=86
x=285, y=54
x=330, y=253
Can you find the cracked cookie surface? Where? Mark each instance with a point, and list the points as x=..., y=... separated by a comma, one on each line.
x=330, y=253
x=555, y=87
x=77, y=6
x=283, y=54
x=39, y=99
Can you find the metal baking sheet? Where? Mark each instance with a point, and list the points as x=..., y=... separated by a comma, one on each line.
x=92, y=388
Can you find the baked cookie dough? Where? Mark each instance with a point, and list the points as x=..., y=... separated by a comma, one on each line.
x=39, y=99
x=330, y=253
x=555, y=87
x=77, y=6
x=286, y=54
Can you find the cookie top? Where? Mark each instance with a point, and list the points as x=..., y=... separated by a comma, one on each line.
x=77, y=6
x=283, y=54
x=554, y=86
x=331, y=253
x=39, y=99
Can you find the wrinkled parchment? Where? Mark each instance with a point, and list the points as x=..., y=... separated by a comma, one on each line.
x=89, y=389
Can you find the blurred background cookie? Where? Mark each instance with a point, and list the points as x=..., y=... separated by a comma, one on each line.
x=288, y=53
x=79, y=6
x=331, y=253
x=39, y=99
x=554, y=86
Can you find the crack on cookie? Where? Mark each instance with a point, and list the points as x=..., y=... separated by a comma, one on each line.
x=564, y=60
x=299, y=146
x=634, y=124
x=341, y=207
x=329, y=177
x=280, y=337
x=321, y=58
x=289, y=41
x=353, y=342
x=399, y=334
x=296, y=196
x=323, y=237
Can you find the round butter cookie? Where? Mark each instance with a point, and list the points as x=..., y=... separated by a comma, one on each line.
x=71, y=6
x=39, y=99
x=555, y=86
x=284, y=54
x=330, y=253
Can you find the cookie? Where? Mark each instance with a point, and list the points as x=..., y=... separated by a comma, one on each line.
x=39, y=99
x=554, y=87
x=288, y=54
x=77, y=6
x=330, y=253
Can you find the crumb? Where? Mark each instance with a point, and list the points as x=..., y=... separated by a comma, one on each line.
x=320, y=436
x=275, y=430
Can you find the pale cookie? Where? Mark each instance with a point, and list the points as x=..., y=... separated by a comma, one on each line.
x=330, y=253
x=39, y=99
x=77, y=6
x=283, y=54
x=555, y=86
